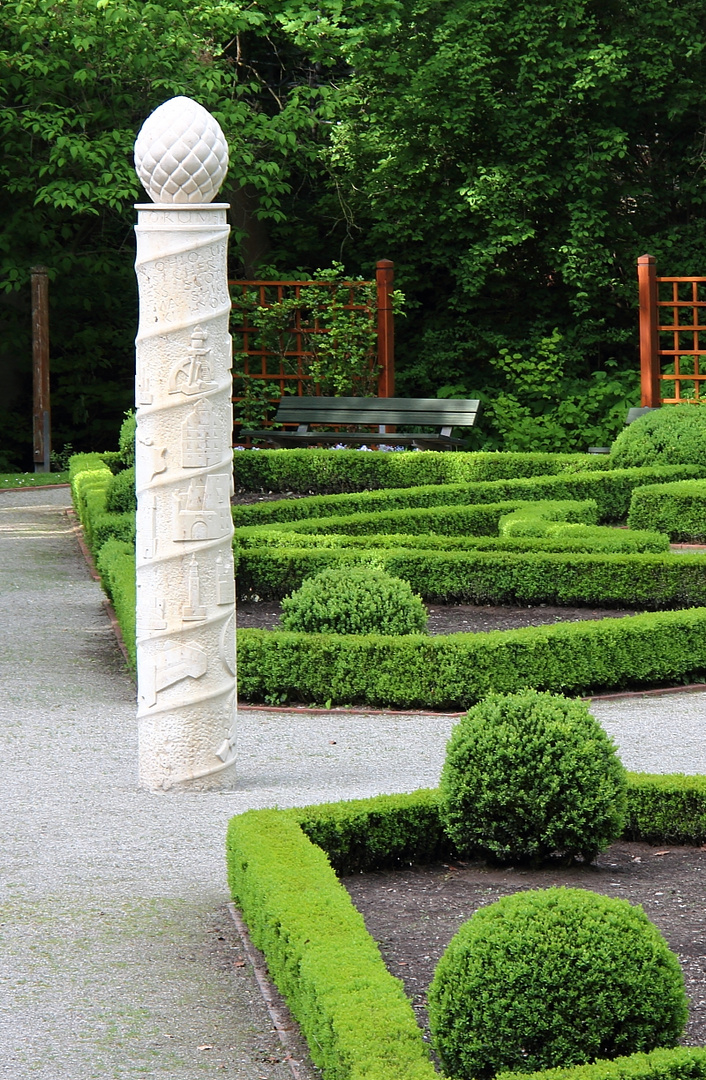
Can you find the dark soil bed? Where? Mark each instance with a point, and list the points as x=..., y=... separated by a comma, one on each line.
x=414, y=913
x=452, y=619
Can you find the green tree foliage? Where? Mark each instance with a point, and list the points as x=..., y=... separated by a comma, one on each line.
x=514, y=159
x=77, y=79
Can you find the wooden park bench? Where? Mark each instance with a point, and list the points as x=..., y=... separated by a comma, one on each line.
x=379, y=413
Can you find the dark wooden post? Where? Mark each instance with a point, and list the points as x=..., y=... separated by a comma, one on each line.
x=649, y=334
x=385, y=276
x=40, y=354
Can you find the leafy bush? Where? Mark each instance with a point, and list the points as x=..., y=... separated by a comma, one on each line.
x=554, y=977
x=120, y=496
x=672, y=435
x=354, y=601
x=678, y=509
x=529, y=774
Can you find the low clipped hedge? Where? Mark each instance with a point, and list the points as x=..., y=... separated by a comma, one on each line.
x=472, y=519
x=90, y=477
x=584, y=538
x=328, y=470
x=102, y=500
x=611, y=490
x=121, y=497
x=456, y=670
x=353, y=1013
x=677, y=509
x=282, y=868
x=682, y=1063
x=446, y=671
x=116, y=565
x=491, y=577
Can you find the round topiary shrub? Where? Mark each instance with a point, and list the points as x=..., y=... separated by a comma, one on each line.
x=530, y=774
x=357, y=600
x=672, y=435
x=553, y=977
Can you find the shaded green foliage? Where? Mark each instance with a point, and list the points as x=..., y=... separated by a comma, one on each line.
x=77, y=79
x=514, y=159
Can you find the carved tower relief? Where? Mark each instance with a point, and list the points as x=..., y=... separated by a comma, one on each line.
x=184, y=461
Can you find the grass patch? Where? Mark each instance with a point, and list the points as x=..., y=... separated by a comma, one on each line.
x=30, y=480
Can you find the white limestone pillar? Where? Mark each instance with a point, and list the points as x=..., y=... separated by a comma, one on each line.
x=184, y=461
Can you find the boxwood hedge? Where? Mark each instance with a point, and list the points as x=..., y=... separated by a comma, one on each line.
x=611, y=490
x=353, y=1012
x=677, y=509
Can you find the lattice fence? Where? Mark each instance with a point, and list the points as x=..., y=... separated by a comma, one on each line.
x=285, y=338
x=672, y=336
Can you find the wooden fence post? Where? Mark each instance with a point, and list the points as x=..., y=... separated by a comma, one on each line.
x=649, y=334
x=41, y=413
x=384, y=277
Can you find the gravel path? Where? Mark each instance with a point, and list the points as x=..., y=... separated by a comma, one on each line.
x=119, y=958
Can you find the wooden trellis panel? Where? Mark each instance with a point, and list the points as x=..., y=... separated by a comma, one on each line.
x=672, y=336
x=286, y=368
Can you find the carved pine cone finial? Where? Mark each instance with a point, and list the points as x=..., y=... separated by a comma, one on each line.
x=181, y=154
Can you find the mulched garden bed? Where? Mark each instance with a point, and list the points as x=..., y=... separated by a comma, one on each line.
x=414, y=913
x=453, y=618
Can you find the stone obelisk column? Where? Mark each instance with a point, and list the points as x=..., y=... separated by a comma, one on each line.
x=184, y=462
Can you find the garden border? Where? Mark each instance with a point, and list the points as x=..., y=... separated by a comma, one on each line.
x=281, y=870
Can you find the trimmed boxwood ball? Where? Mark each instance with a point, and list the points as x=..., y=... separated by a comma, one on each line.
x=671, y=435
x=357, y=600
x=530, y=774
x=553, y=977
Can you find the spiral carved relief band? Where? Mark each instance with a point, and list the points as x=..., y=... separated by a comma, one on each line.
x=184, y=479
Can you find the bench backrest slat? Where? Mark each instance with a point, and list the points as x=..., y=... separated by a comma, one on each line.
x=318, y=410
